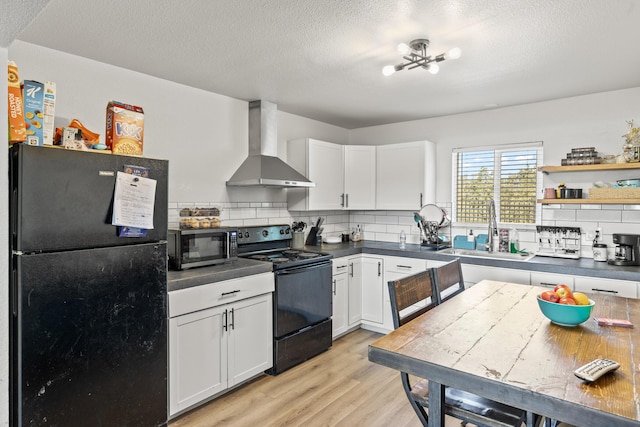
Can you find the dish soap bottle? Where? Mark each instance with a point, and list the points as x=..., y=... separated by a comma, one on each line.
x=403, y=240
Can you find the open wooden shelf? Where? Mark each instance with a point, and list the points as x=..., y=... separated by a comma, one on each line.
x=584, y=168
x=589, y=201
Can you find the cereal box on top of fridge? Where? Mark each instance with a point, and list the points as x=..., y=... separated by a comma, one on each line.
x=39, y=111
x=125, y=128
x=17, y=129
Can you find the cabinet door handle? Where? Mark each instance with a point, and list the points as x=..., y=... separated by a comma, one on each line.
x=342, y=200
x=346, y=198
x=379, y=269
x=224, y=294
x=224, y=320
x=334, y=286
x=548, y=285
x=233, y=319
x=351, y=265
x=420, y=200
x=604, y=290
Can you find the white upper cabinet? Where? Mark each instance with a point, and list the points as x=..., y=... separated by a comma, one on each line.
x=344, y=175
x=360, y=177
x=405, y=175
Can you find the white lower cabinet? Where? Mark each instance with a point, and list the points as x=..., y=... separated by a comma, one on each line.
x=473, y=273
x=216, y=347
x=355, y=291
x=377, y=272
x=372, y=292
x=620, y=288
x=340, y=288
x=347, y=294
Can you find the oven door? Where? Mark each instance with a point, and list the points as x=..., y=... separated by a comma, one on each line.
x=302, y=297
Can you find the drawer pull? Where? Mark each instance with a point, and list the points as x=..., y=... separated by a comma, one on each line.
x=403, y=266
x=224, y=294
x=604, y=290
x=341, y=266
x=548, y=285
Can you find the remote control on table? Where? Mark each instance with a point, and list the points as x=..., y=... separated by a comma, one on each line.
x=595, y=369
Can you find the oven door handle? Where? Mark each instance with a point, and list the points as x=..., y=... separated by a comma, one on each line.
x=304, y=268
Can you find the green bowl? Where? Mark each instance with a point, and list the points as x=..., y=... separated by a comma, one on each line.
x=565, y=315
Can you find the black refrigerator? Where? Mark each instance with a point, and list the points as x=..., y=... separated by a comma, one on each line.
x=88, y=308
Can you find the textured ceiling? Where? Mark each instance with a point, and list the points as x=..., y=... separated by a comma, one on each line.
x=322, y=59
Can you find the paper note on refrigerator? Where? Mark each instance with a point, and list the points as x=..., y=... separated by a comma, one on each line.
x=133, y=201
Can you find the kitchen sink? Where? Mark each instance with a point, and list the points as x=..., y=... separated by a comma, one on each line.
x=486, y=255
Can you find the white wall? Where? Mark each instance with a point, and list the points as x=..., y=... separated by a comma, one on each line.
x=592, y=120
x=202, y=134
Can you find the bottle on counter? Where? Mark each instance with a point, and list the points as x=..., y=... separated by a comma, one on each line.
x=403, y=240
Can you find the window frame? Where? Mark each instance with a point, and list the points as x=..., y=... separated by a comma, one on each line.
x=497, y=152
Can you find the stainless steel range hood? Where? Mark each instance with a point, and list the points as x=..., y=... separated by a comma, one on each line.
x=263, y=167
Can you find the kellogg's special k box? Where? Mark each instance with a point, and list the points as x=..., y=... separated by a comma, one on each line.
x=125, y=128
x=39, y=111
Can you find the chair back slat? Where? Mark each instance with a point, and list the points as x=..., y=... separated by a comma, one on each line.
x=405, y=292
x=447, y=277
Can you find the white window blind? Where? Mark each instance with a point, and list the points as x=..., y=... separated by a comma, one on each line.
x=507, y=174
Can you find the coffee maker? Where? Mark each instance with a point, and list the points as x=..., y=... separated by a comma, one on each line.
x=627, y=249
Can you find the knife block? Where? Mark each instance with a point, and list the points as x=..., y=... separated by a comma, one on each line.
x=312, y=238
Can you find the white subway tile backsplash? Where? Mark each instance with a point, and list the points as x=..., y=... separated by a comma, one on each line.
x=631, y=216
x=613, y=207
x=387, y=225
x=601, y=215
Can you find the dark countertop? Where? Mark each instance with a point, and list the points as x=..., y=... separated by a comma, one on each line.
x=245, y=267
x=217, y=273
x=580, y=267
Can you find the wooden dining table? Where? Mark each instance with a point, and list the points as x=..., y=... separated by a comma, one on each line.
x=493, y=340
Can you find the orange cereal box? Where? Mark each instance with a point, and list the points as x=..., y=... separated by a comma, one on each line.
x=17, y=129
x=125, y=128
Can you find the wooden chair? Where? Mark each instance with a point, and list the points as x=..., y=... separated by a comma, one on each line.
x=447, y=280
x=410, y=297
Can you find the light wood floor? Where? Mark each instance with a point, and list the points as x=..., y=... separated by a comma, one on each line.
x=340, y=387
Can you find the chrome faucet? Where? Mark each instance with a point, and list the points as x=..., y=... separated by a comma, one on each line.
x=492, y=233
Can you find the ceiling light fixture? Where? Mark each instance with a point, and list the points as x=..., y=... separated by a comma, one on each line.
x=416, y=55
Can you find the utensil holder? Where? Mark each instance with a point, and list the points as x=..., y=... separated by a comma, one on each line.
x=297, y=240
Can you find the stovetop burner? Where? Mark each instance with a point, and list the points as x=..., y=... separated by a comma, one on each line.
x=271, y=243
x=308, y=255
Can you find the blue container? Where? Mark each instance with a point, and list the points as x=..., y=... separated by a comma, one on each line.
x=565, y=315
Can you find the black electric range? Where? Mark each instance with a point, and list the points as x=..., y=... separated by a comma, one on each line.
x=303, y=296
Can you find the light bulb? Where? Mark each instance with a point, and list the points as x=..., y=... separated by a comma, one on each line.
x=404, y=48
x=433, y=68
x=454, y=53
x=388, y=70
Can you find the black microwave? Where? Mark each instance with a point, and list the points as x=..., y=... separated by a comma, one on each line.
x=199, y=248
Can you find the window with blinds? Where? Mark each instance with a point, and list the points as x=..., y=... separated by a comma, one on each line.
x=509, y=175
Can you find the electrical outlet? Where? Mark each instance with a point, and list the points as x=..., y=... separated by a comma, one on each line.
x=588, y=236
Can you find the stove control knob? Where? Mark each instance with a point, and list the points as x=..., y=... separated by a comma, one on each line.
x=287, y=231
x=282, y=231
x=246, y=234
x=265, y=233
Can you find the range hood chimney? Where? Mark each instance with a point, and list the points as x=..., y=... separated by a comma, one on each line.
x=263, y=167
